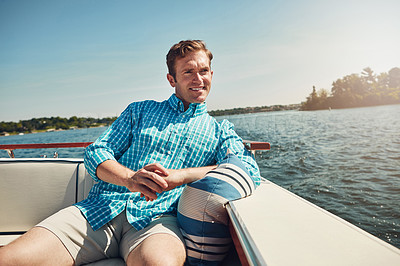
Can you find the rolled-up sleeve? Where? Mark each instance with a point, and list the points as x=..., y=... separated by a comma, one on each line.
x=112, y=143
x=230, y=140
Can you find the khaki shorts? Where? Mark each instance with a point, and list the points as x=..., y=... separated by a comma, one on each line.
x=115, y=239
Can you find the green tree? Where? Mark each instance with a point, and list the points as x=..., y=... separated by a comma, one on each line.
x=369, y=79
x=394, y=78
x=358, y=90
x=316, y=100
x=382, y=81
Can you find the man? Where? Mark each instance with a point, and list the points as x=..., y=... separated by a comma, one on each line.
x=141, y=164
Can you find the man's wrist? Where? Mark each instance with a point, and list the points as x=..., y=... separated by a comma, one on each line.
x=193, y=174
x=113, y=172
x=127, y=177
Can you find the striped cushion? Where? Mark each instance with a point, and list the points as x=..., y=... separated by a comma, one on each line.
x=202, y=215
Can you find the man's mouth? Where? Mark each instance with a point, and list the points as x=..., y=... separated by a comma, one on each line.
x=197, y=89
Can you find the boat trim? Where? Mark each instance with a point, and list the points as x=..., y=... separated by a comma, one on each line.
x=242, y=239
x=11, y=233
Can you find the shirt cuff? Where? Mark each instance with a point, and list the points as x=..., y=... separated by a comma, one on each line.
x=94, y=158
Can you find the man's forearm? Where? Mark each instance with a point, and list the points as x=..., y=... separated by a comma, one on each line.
x=193, y=174
x=113, y=172
x=187, y=175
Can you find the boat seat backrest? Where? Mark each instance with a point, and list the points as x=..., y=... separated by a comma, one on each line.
x=33, y=189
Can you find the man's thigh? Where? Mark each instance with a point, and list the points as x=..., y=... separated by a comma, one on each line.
x=38, y=246
x=78, y=237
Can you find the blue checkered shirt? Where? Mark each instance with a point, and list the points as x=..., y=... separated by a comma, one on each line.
x=148, y=132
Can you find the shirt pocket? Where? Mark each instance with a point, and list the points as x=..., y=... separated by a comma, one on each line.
x=199, y=151
x=174, y=140
x=155, y=140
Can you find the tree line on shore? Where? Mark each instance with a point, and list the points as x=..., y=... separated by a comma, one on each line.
x=257, y=109
x=357, y=90
x=53, y=123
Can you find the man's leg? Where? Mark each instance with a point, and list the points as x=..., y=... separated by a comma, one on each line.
x=64, y=238
x=36, y=247
x=160, y=243
x=158, y=249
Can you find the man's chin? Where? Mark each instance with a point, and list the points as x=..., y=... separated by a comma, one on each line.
x=200, y=100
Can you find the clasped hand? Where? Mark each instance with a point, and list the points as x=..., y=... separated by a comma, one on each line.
x=154, y=178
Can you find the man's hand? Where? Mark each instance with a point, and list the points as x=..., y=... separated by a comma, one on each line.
x=148, y=181
x=174, y=178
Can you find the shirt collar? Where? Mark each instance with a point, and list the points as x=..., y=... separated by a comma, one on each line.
x=194, y=109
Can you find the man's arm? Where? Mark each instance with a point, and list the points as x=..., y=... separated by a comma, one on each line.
x=113, y=142
x=150, y=179
x=230, y=140
x=184, y=176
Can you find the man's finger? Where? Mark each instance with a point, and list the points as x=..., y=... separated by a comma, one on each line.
x=153, y=182
x=147, y=193
x=156, y=167
x=156, y=178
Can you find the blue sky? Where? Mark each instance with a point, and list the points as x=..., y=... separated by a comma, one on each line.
x=94, y=57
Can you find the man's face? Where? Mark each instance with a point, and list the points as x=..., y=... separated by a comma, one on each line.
x=193, y=78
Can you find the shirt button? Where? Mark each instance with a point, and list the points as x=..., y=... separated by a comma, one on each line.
x=169, y=152
x=131, y=201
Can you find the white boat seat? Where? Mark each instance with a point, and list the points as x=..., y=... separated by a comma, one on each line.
x=33, y=189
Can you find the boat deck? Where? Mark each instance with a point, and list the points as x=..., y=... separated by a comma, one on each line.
x=277, y=227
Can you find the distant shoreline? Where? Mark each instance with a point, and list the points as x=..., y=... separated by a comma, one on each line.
x=257, y=109
x=50, y=124
x=5, y=134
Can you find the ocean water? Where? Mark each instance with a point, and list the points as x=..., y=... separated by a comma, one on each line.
x=345, y=161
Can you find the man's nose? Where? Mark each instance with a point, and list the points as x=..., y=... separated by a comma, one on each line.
x=197, y=77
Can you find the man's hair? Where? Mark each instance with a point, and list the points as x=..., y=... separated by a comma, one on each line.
x=182, y=49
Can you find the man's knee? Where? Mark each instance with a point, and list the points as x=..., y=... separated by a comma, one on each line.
x=164, y=259
x=158, y=249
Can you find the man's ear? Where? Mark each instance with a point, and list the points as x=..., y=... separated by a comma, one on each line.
x=171, y=80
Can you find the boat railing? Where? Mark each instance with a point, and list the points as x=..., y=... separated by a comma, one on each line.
x=11, y=147
x=250, y=145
